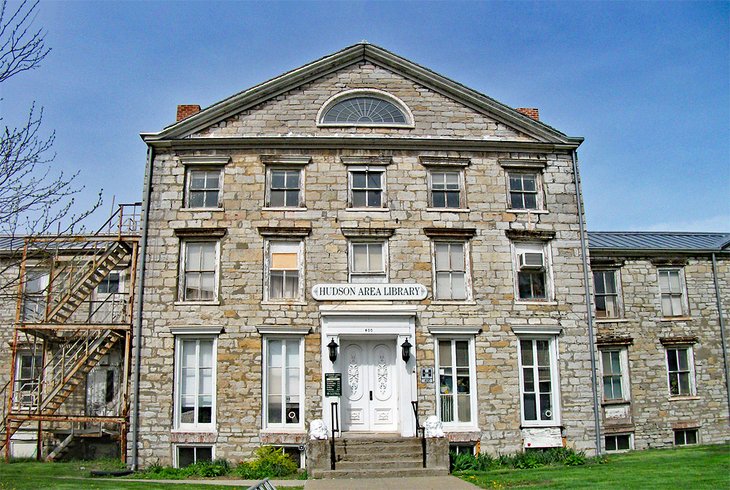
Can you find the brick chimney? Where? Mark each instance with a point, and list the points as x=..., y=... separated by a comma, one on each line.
x=531, y=112
x=186, y=110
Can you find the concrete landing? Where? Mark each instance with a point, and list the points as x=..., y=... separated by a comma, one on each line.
x=408, y=483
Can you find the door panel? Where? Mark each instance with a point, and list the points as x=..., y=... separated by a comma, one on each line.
x=369, y=399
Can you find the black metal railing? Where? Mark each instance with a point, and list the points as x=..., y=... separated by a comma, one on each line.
x=335, y=424
x=420, y=431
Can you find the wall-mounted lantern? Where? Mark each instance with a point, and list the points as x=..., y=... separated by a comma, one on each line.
x=332, y=346
x=406, y=353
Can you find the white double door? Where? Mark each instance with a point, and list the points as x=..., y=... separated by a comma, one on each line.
x=370, y=386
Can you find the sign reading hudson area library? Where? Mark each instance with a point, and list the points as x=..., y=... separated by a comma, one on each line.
x=368, y=292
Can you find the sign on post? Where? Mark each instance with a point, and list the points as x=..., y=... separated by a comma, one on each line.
x=332, y=384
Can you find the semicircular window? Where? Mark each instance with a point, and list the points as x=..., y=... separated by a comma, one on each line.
x=364, y=110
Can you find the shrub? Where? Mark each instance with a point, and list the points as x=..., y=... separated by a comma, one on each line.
x=270, y=462
x=531, y=458
x=206, y=469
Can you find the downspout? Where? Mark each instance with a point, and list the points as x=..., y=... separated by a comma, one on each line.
x=140, y=301
x=722, y=330
x=587, y=284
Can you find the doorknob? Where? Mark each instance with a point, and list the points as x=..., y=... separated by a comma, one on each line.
x=371, y=395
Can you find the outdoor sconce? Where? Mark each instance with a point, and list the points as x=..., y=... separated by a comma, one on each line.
x=332, y=346
x=406, y=346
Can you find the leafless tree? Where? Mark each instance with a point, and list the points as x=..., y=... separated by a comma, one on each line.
x=35, y=198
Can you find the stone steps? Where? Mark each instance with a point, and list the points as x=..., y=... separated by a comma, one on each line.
x=381, y=473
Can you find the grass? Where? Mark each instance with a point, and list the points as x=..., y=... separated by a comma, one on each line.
x=32, y=475
x=696, y=467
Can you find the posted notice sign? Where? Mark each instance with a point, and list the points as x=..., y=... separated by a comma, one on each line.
x=332, y=384
x=368, y=292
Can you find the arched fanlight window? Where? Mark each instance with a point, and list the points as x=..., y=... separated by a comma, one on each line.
x=364, y=108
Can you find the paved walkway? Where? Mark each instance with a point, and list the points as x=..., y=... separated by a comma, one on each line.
x=409, y=483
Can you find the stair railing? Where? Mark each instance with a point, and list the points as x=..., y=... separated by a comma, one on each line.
x=420, y=431
x=3, y=410
x=112, y=309
x=335, y=424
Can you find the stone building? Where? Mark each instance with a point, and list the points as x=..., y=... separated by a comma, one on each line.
x=325, y=220
x=364, y=244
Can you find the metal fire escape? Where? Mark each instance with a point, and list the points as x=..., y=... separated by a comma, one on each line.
x=70, y=314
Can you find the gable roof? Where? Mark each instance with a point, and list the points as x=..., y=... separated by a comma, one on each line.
x=659, y=241
x=354, y=54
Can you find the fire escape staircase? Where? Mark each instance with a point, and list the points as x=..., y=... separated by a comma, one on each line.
x=72, y=356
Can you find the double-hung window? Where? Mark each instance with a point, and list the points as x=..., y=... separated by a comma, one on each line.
x=524, y=190
x=532, y=271
x=456, y=393
x=203, y=187
x=284, y=281
x=195, y=383
x=367, y=187
x=451, y=270
x=284, y=382
x=34, y=295
x=199, y=270
x=446, y=189
x=28, y=368
x=368, y=261
x=680, y=371
x=538, y=381
x=285, y=190
x=606, y=293
x=614, y=368
x=671, y=285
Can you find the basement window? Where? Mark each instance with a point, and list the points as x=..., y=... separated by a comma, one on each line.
x=618, y=442
x=187, y=455
x=686, y=437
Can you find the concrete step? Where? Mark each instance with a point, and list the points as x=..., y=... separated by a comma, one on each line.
x=378, y=463
x=381, y=473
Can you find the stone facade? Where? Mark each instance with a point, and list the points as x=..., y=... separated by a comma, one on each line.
x=645, y=332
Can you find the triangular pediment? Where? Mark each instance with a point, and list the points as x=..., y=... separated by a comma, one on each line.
x=288, y=105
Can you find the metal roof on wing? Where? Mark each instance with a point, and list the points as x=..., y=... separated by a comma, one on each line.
x=658, y=240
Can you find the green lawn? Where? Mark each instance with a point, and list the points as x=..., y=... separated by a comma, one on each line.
x=31, y=475
x=689, y=467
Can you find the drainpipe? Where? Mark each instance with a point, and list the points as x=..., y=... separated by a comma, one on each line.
x=722, y=330
x=586, y=282
x=140, y=295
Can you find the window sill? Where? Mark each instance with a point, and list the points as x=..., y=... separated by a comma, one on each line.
x=283, y=430
x=448, y=210
x=375, y=210
x=528, y=211
x=536, y=302
x=615, y=402
x=453, y=302
x=197, y=303
x=531, y=424
x=675, y=319
x=459, y=428
x=193, y=210
x=293, y=302
x=684, y=398
x=194, y=430
x=266, y=208
x=612, y=320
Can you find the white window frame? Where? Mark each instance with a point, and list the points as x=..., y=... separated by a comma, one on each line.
x=369, y=276
x=554, y=381
x=111, y=305
x=383, y=186
x=188, y=183
x=617, y=295
x=177, y=405
x=472, y=379
x=34, y=302
x=631, y=442
x=176, y=462
x=462, y=194
x=624, y=374
x=270, y=169
x=467, y=269
x=296, y=245
x=182, y=297
x=521, y=247
x=539, y=200
x=25, y=391
x=682, y=293
x=690, y=371
x=298, y=427
x=689, y=429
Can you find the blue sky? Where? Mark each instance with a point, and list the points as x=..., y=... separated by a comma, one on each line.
x=646, y=83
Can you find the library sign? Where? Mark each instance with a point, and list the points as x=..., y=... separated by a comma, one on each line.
x=368, y=292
